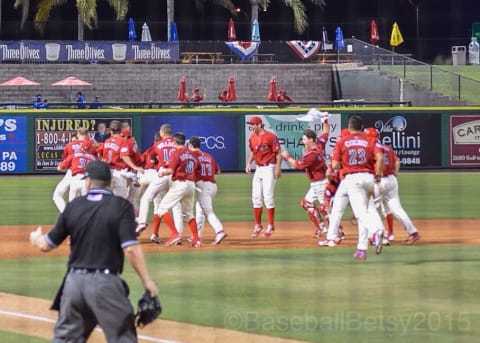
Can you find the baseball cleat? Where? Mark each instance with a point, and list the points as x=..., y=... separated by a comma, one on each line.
x=268, y=232
x=197, y=243
x=140, y=228
x=391, y=236
x=219, y=237
x=173, y=240
x=256, y=230
x=378, y=241
x=330, y=242
x=386, y=242
x=360, y=255
x=412, y=238
x=155, y=239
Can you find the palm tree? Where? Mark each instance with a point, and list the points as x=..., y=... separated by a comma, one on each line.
x=298, y=7
x=86, y=9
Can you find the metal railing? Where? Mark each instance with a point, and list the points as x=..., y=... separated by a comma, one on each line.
x=433, y=78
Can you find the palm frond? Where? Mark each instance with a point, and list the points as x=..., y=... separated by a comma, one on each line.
x=43, y=12
x=120, y=7
x=87, y=9
x=299, y=15
x=319, y=3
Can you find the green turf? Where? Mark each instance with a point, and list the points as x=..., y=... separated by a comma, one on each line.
x=424, y=195
x=407, y=294
x=10, y=337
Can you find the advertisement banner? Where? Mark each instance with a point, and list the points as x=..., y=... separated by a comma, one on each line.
x=218, y=135
x=416, y=138
x=13, y=144
x=81, y=51
x=52, y=134
x=289, y=131
x=465, y=140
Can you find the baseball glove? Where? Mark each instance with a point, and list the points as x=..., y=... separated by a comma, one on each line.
x=149, y=309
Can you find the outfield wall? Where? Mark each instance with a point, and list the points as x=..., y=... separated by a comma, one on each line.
x=424, y=138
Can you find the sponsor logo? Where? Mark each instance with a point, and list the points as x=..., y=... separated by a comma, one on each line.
x=467, y=133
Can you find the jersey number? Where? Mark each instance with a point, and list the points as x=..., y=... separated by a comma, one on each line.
x=356, y=157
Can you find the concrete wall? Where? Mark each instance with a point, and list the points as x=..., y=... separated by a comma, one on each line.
x=159, y=82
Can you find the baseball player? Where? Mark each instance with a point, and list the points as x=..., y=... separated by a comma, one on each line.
x=116, y=153
x=388, y=193
x=265, y=152
x=136, y=158
x=182, y=167
x=206, y=191
x=361, y=159
x=77, y=163
x=313, y=162
x=64, y=185
x=159, y=186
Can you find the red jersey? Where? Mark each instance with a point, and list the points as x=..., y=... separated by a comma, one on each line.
x=313, y=161
x=149, y=159
x=111, y=152
x=322, y=140
x=208, y=166
x=183, y=164
x=264, y=147
x=163, y=151
x=130, y=148
x=71, y=147
x=389, y=159
x=356, y=153
x=78, y=162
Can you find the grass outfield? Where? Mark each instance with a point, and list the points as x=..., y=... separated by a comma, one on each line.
x=10, y=337
x=410, y=294
x=27, y=200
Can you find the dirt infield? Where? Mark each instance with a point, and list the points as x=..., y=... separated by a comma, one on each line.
x=32, y=317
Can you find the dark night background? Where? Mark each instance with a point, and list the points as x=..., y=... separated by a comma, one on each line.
x=442, y=23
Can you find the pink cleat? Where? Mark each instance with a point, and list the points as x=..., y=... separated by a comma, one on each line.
x=360, y=255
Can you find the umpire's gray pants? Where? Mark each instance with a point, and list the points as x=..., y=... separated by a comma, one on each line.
x=94, y=298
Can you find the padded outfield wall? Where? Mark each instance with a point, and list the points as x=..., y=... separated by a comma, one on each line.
x=31, y=141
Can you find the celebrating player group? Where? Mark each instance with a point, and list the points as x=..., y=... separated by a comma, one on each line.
x=179, y=179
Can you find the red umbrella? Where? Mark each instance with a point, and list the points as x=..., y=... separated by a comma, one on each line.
x=231, y=33
x=71, y=81
x=374, y=36
x=272, y=90
x=19, y=81
x=231, y=92
x=182, y=94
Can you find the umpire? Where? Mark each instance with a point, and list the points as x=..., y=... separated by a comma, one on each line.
x=102, y=231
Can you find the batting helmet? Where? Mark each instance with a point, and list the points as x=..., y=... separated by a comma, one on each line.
x=372, y=132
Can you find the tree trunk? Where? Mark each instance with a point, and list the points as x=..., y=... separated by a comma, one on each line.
x=80, y=27
x=254, y=12
x=170, y=15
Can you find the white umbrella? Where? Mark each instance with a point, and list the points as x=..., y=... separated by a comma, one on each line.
x=146, y=37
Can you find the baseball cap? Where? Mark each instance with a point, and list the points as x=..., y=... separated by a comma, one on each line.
x=255, y=121
x=98, y=170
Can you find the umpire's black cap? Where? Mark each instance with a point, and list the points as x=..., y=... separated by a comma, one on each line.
x=98, y=170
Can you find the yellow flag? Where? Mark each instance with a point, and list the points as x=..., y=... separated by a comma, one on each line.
x=396, y=38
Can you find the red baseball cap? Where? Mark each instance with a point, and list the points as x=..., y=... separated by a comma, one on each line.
x=125, y=132
x=255, y=121
x=87, y=145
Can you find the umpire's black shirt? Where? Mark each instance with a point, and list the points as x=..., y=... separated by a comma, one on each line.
x=100, y=225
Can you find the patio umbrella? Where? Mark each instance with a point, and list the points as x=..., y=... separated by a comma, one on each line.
x=255, y=31
x=324, y=39
x=19, y=81
x=71, y=81
x=231, y=32
x=132, y=35
x=182, y=94
x=374, y=36
x=396, y=37
x=340, y=44
x=272, y=90
x=231, y=91
x=173, y=32
x=146, y=37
